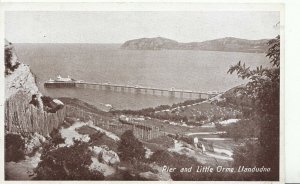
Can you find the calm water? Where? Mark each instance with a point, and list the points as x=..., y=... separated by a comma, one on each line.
x=189, y=70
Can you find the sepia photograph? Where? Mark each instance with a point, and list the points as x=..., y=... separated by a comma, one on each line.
x=142, y=95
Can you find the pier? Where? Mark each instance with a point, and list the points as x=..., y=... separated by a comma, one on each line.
x=137, y=89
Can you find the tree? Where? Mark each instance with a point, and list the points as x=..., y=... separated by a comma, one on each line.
x=263, y=87
x=10, y=63
x=67, y=163
x=263, y=90
x=14, y=148
x=130, y=148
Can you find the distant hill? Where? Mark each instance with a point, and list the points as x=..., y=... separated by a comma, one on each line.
x=228, y=44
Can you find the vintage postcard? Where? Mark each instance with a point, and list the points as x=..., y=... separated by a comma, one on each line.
x=148, y=92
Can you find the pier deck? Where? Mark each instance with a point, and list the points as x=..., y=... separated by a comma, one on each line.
x=172, y=92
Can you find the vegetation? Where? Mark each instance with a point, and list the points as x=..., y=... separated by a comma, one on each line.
x=249, y=157
x=187, y=102
x=130, y=148
x=245, y=128
x=67, y=163
x=88, y=130
x=8, y=64
x=99, y=138
x=82, y=105
x=14, y=148
x=56, y=137
x=150, y=112
x=263, y=92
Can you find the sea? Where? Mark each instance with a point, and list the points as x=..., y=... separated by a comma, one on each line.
x=180, y=69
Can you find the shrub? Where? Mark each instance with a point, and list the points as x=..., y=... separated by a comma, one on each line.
x=201, y=118
x=97, y=136
x=187, y=139
x=162, y=157
x=86, y=130
x=150, y=111
x=215, y=118
x=67, y=163
x=9, y=67
x=14, y=148
x=130, y=147
x=100, y=138
x=162, y=107
x=242, y=129
x=243, y=157
x=192, y=123
x=56, y=137
x=219, y=127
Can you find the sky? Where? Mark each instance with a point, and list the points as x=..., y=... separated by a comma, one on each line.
x=118, y=27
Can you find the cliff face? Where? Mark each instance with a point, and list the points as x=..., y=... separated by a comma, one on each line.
x=21, y=116
x=18, y=77
x=228, y=44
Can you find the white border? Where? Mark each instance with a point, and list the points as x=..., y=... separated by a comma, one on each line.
x=145, y=6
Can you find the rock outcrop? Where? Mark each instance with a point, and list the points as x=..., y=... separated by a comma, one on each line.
x=228, y=44
x=103, y=159
x=26, y=109
x=18, y=76
x=106, y=155
x=49, y=104
x=33, y=142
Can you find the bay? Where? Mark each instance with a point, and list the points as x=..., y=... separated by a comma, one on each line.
x=181, y=69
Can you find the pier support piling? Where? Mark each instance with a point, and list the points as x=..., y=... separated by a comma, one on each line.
x=172, y=93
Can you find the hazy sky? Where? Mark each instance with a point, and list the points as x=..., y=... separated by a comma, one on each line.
x=117, y=27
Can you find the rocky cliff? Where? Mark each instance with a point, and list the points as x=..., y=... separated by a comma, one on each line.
x=18, y=77
x=228, y=44
x=25, y=108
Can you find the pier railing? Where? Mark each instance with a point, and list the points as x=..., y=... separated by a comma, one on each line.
x=172, y=92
